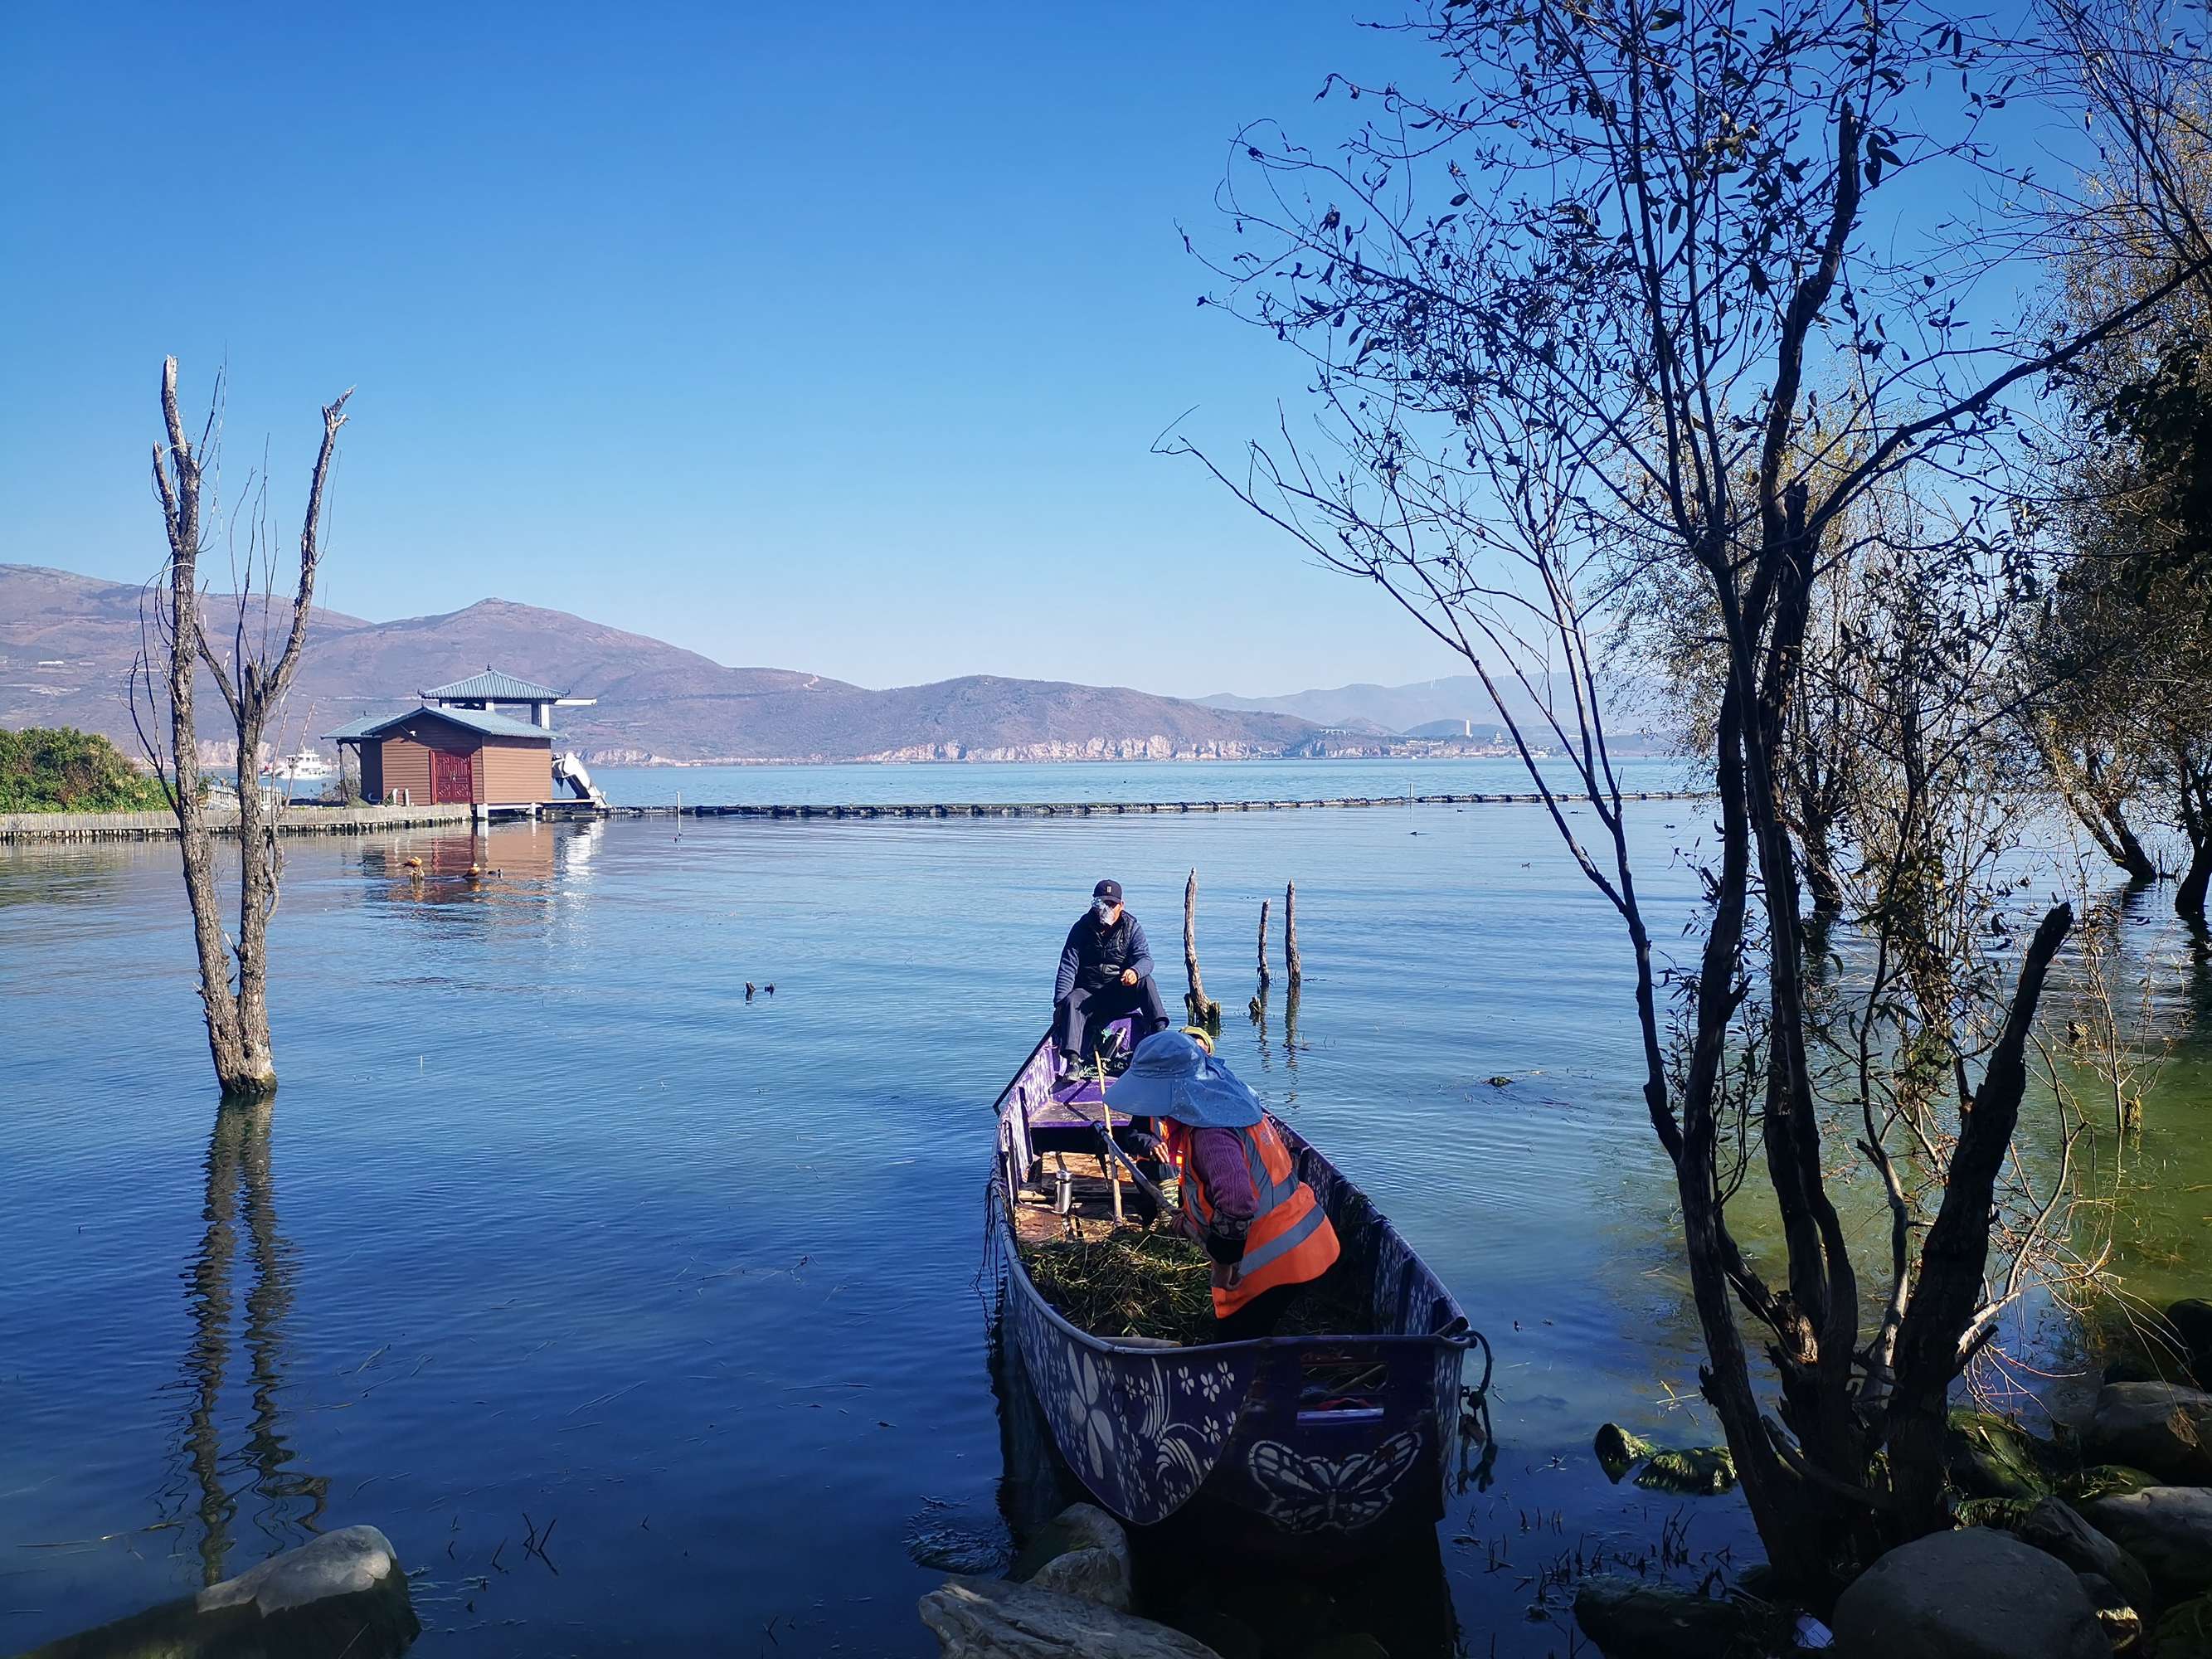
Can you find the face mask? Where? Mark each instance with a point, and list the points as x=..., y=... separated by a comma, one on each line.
x=1102, y=910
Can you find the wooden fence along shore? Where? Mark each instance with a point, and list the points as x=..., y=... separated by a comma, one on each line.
x=368, y=820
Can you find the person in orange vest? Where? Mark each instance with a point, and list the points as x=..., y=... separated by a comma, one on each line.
x=1266, y=1232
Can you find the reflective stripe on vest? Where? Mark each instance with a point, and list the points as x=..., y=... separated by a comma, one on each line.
x=1290, y=1240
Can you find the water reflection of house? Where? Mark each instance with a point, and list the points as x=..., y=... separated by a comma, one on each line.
x=517, y=851
x=486, y=741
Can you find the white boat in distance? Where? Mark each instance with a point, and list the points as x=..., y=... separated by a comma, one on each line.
x=306, y=766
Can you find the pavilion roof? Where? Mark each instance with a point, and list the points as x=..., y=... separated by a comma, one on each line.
x=492, y=686
x=471, y=720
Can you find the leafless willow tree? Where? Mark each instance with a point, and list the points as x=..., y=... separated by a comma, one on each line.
x=253, y=664
x=1619, y=307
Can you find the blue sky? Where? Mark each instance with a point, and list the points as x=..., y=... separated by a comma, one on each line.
x=832, y=339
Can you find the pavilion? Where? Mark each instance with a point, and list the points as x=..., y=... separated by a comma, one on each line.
x=463, y=746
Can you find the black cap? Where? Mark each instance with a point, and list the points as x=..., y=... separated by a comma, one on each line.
x=1109, y=890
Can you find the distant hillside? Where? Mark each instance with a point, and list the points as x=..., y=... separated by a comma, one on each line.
x=1411, y=710
x=67, y=642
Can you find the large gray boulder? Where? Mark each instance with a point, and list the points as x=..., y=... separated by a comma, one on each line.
x=343, y=1594
x=1084, y=1553
x=1979, y=1594
x=2168, y=1529
x=2159, y=1426
x=997, y=1618
x=2054, y=1528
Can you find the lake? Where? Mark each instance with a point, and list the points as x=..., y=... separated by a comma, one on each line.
x=551, y=1238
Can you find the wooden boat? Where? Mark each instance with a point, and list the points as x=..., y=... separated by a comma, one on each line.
x=1304, y=1445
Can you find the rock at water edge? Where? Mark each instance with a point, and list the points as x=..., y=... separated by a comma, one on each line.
x=2159, y=1426
x=1632, y=1619
x=2055, y=1528
x=1989, y=1457
x=2168, y=1529
x=997, y=1618
x=1083, y=1551
x=342, y=1593
x=1979, y=1594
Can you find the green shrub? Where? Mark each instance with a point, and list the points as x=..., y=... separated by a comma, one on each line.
x=71, y=771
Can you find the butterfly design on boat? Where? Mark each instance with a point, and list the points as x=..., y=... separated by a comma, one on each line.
x=1323, y=1494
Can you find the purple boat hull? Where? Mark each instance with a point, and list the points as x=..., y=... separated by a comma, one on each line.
x=1303, y=1445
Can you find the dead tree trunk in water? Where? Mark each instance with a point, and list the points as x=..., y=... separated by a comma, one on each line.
x=1264, y=978
x=235, y=1000
x=1290, y=933
x=1201, y=1011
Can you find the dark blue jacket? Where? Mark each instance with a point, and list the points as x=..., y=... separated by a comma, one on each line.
x=1094, y=957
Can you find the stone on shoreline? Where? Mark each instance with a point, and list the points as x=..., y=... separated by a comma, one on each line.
x=342, y=1593
x=2053, y=1527
x=997, y=1618
x=1987, y=1456
x=2158, y=1427
x=2168, y=1529
x=1979, y=1594
x=1635, y=1619
x=1083, y=1551
x=1686, y=1470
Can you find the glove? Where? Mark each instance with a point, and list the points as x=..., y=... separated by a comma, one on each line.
x=1225, y=1242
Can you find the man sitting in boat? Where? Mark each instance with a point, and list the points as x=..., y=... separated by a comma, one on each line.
x=1266, y=1232
x=1105, y=972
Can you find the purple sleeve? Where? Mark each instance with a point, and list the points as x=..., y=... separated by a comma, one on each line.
x=1219, y=1158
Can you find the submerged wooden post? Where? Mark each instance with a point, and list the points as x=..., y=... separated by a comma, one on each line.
x=1201, y=1011
x=1291, y=931
x=1263, y=944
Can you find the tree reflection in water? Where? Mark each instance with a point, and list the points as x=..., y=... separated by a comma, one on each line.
x=206, y=1482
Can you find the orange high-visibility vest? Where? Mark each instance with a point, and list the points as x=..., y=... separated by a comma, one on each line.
x=1289, y=1242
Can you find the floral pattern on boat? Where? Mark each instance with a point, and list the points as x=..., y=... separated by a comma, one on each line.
x=1142, y=1430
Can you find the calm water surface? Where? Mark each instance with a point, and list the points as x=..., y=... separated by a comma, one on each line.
x=1093, y=780
x=550, y=1228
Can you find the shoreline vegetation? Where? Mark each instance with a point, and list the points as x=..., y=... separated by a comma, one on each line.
x=65, y=770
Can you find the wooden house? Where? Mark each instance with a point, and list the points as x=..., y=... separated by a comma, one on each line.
x=459, y=748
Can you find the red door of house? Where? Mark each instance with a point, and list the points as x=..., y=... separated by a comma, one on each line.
x=450, y=781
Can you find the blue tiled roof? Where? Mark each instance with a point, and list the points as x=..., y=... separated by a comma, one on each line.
x=492, y=686
x=472, y=720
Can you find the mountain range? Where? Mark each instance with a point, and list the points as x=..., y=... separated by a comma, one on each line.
x=67, y=643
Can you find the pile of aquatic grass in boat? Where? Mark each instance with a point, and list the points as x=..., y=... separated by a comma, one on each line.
x=1156, y=1283
x=1130, y=1283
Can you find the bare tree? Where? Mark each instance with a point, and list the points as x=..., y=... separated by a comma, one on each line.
x=252, y=670
x=1648, y=332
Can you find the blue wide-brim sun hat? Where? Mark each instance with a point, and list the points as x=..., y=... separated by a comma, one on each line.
x=1171, y=1076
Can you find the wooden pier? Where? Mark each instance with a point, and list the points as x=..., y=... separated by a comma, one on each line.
x=1064, y=809
x=301, y=820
